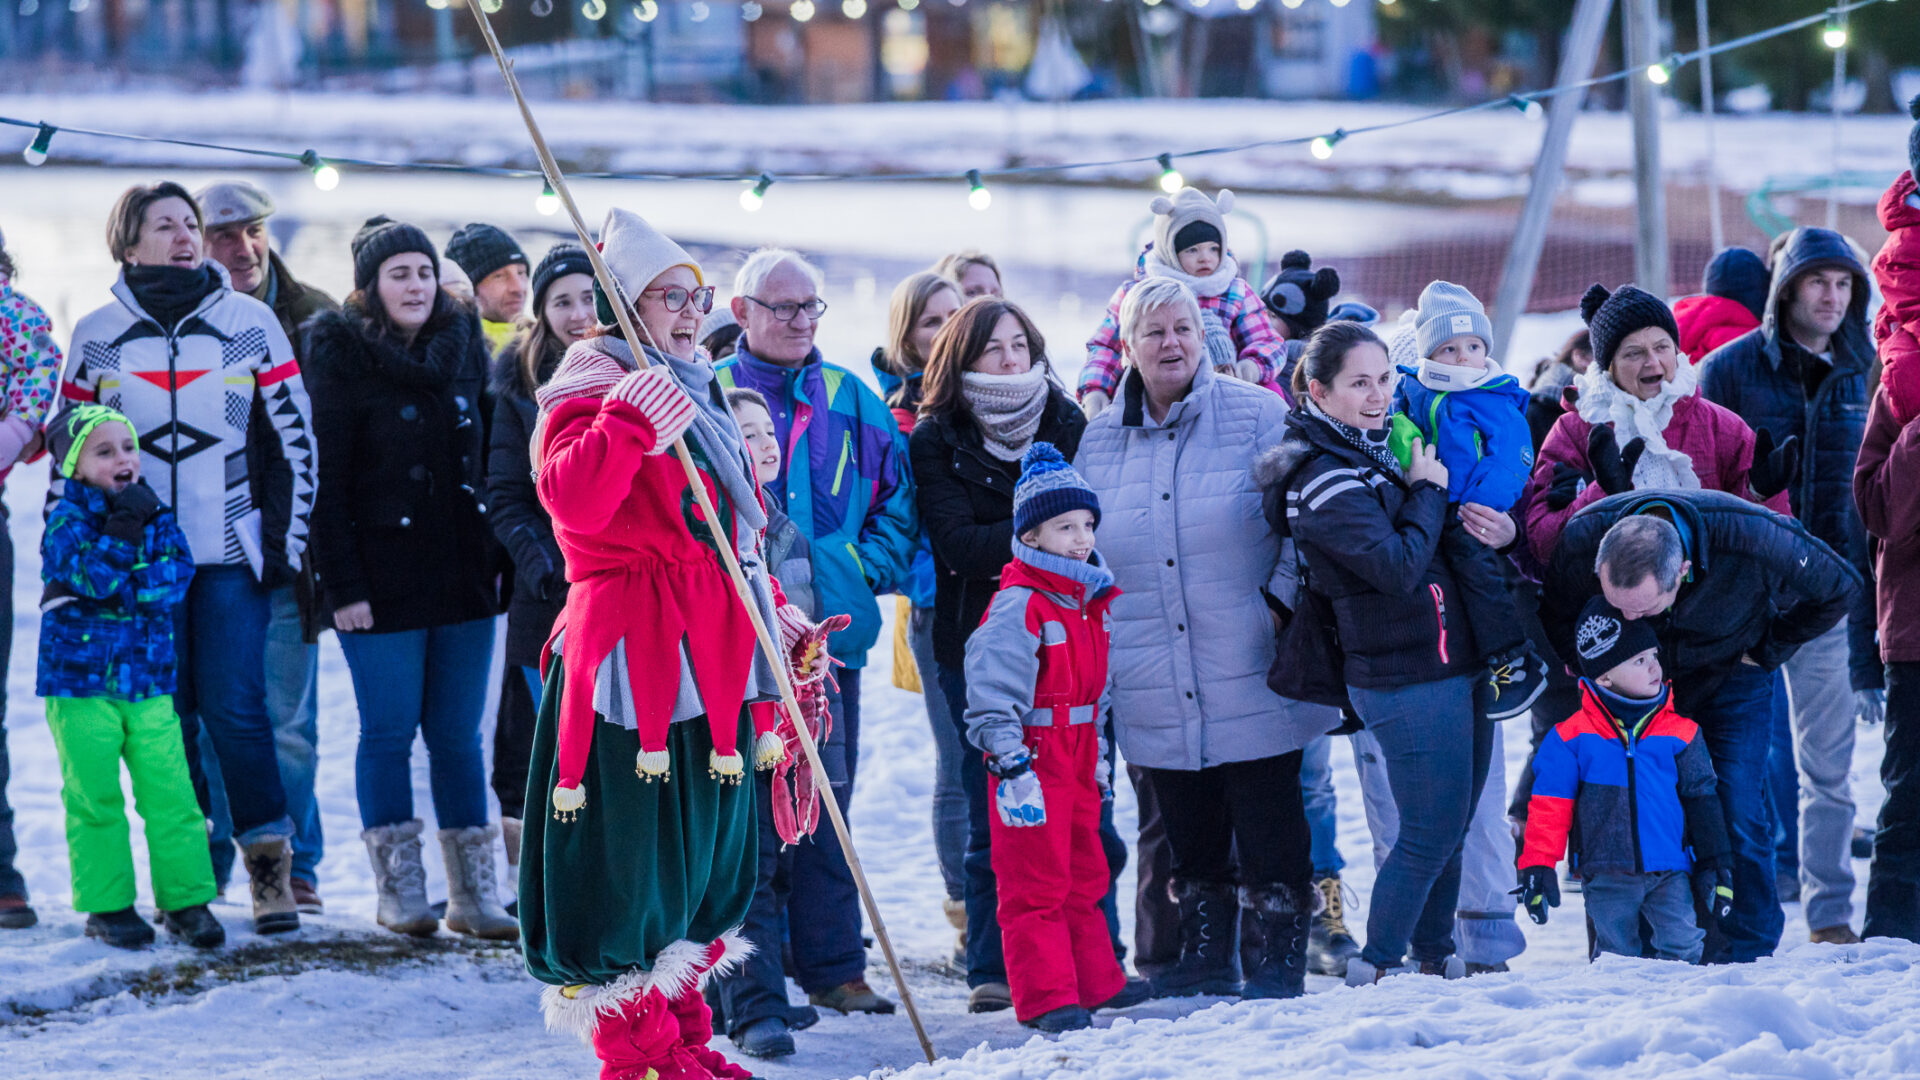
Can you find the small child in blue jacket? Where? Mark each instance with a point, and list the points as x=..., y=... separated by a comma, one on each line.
x=1459, y=402
x=116, y=565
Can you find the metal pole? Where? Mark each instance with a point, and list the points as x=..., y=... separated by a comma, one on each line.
x=623, y=312
x=1650, y=243
x=1833, y=105
x=1577, y=60
x=1718, y=230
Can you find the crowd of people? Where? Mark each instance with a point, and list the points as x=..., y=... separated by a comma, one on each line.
x=1264, y=519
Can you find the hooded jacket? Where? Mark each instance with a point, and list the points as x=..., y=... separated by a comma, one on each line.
x=1040, y=658
x=845, y=480
x=107, y=630
x=1708, y=322
x=1255, y=337
x=1481, y=435
x=1897, y=269
x=1182, y=531
x=1624, y=795
x=1761, y=586
x=189, y=391
x=1777, y=386
x=1370, y=543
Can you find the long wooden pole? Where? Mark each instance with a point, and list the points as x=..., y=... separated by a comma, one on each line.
x=622, y=309
x=1650, y=269
x=1582, y=50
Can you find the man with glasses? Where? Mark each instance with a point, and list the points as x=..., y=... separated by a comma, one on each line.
x=844, y=481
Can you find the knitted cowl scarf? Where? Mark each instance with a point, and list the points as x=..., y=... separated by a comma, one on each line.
x=1216, y=336
x=433, y=356
x=1601, y=401
x=1371, y=443
x=1008, y=408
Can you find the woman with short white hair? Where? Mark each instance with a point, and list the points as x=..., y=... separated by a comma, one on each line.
x=1205, y=739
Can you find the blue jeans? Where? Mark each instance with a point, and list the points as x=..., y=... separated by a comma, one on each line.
x=1738, y=723
x=1617, y=904
x=1316, y=792
x=220, y=636
x=1783, y=783
x=949, y=801
x=986, y=962
x=823, y=908
x=1437, y=749
x=11, y=883
x=293, y=701
x=433, y=681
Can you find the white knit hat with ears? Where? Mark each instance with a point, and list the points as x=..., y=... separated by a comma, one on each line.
x=1170, y=215
x=637, y=252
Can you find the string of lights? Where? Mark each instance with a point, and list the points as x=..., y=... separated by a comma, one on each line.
x=327, y=174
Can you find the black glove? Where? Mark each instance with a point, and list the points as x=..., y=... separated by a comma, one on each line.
x=275, y=573
x=1539, y=890
x=1612, y=467
x=1713, y=891
x=1774, y=468
x=552, y=585
x=129, y=510
x=1567, y=482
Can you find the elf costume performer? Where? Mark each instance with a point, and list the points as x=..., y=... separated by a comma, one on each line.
x=640, y=849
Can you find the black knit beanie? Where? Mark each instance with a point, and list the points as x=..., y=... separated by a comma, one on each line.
x=1741, y=275
x=560, y=260
x=1913, y=139
x=1605, y=639
x=1300, y=294
x=482, y=249
x=1610, y=317
x=380, y=239
x=1195, y=232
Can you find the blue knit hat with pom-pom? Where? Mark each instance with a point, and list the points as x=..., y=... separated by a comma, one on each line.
x=1049, y=487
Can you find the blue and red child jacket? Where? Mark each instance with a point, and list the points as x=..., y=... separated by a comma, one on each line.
x=1624, y=794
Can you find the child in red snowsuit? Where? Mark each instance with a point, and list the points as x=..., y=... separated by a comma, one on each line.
x=1897, y=270
x=1036, y=700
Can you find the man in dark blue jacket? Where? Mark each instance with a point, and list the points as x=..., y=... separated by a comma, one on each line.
x=1800, y=380
x=1734, y=590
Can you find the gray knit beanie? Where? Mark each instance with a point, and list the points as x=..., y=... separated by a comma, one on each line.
x=1447, y=311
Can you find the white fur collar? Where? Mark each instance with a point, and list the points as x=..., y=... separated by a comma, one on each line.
x=1601, y=401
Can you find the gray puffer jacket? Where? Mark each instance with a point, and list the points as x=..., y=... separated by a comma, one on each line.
x=1182, y=530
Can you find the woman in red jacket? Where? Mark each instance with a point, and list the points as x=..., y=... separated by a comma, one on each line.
x=640, y=851
x=1638, y=424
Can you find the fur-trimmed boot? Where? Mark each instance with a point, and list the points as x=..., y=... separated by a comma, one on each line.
x=473, y=903
x=696, y=1033
x=639, y=1039
x=400, y=878
x=269, y=865
x=1208, y=917
x=1279, y=914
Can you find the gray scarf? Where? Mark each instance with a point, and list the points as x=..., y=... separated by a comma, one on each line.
x=1007, y=408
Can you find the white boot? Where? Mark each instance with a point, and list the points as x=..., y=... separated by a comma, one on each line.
x=473, y=906
x=400, y=878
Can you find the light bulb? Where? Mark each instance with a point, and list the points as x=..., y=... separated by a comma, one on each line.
x=646, y=10
x=1339, y=3
x=547, y=202
x=592, y=9
x=1170, y=179
x=1292, y=3
x=1658, y=75
x=1322, y=147
x=36, y=152
x=1835, y=35
x=853, y=9
x=1246, y=5
x=491, y=7
x=978, y=196
x=751, y=11
x=751, y=198
x=325, y=176
x=802, y=10
x=909, y=5
x=437, y=5
x=698, y=11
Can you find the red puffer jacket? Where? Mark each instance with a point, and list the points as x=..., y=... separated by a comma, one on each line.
x=1708, y=322
x=1897, y=270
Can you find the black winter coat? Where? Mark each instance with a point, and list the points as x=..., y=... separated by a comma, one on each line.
x=1778, y=387
x=400, y=518
x=1371, y=545
x=519, y=522
x=1761, y=586
x=966, y=507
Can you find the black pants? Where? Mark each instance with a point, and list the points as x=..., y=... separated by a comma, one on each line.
x=1893, y=884
x=1249, y=812
x=513, y=737
x=1560, y=699
x=1156, y=921
x=1486, y=591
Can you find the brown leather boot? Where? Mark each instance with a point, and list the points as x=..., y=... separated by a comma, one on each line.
x=1834, y=935
x=270, y=866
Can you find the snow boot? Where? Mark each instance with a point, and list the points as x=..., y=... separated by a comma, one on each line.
x=306, y=898
x=123, y=929
x=851, y=997
x=990, y=997
x=1064, y=1018
x=1208, y=914
x=16, y=913
x=1134, y=992
x=641, y=1041
x=400, y=879
x=270, y=866
x=1447, y=967
x=1279, y=913
x=696, y=1032
x=1362, y=973
x=956, y=913
x=1515, y=680
x=1329, y=943
x=473, y=906
x=1893, y=908
x=196, y=926
x=767, y=1037
x=510, y=828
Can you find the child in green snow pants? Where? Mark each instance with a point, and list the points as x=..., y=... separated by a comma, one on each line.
x=92, y=736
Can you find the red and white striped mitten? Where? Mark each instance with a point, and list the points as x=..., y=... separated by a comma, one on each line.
x=662, y=403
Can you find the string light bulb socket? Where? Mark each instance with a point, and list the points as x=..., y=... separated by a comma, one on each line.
x=1170, y=179
x=1834, y=34
x=1322, y=145
x=978, y=196
x=325, y=176
x=752, y=198
x=36, y=151
x=547, y=202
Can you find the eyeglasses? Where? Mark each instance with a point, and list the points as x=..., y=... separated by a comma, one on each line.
x=678, y=297
x=786, y=313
